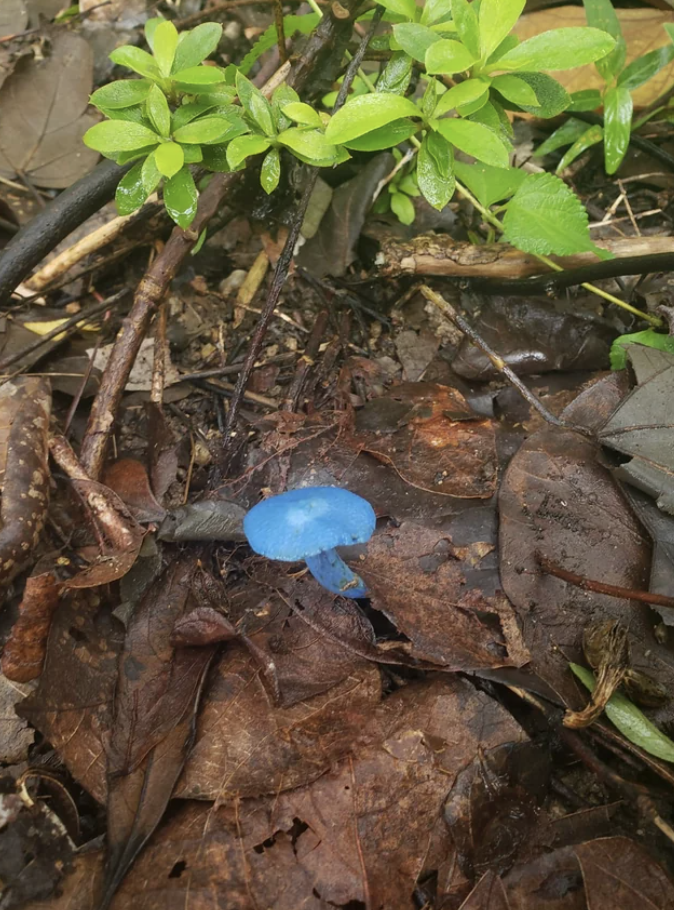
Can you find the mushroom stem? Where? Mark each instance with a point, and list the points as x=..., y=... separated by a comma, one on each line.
x=330, y=570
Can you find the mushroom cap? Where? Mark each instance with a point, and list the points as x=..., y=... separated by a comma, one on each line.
x=308, y=521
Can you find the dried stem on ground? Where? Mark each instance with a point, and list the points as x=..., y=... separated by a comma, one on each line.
x=598, y=587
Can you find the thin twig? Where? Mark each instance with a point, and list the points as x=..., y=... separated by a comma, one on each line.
x=599, y=587
x=224, y=7
x=496, y=360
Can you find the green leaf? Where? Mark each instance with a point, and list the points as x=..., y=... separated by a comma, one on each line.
x=366, y=113
x=649, y=338
x=601, y=14
x=270, y=173
x=406, y=8
x=122, y=93
x=492, y=115
x=435, y=174
x=617, y=126
x=587, y=99
x=448, y=57
x=150, y=174
x=192, y=154
x=150, y=28
x=644, y=68
x=464, y=93
x=282, y=96
x=552, y=96
x=497, y=19
x=385, y=137
x=566, y=134
x=137, y=60
x=169, y=158
x=490, y=184
x=197, y=44
x=303, y=113
x=243, y=147
x=197, y=79
x=545, y=216
x=268, y=39
x=181, y=198
x=402, y=207
x=592, y=135
x=200, y=242
x=559, y=49
x=515, y=89
x=506, y=45
x=310, y=145
x=631, y=722
x=119, y=136
x=188, y=112
x=467, y=27
x=215, y=158
x=158, y=111
x=206, y=130
x=255, y=104
x=165, y=42
x=475, y=139
x=435, y=11
x=415, y=39
x=396, y=75
x=131, y=193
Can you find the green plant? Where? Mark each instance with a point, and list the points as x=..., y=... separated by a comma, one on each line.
x=183, y=112
x=616, y=98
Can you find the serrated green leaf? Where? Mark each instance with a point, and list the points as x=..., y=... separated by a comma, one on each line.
x=181, y=198
x=545, y=216
x=406, y=8
x=458, y=95
x=169, y=158
x=270, y=174
x=435, y=172
x=644, y=68
x=385, y=137
x=196, y=45
x=396, y=75
x=198, y=79
x=137, y=60
x=366, y=113
x=243, y=147
x=310, y=145
x=415, y=39
x=165, y=42
x=255, y=104
x=158, y=111
x=448, y=57
x=648, y=338
x=402, y=207
x=617, y=126
x=205, y=130
x=475, y=139
x=303, y=113
x=119, y=136
x=552, y=96
x=489, y=184
x=559, y=49
x=121, y=94
x=130, y=193
x=566, y=134
x=150, y=174
x=268, y=39
x=631, y=722
x=497, y=19
x=592, y=135
x=467, y=27
x=515, y=89
x=601, y=14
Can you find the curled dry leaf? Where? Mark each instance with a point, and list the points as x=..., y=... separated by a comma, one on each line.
x=128, y=479
x=43, y=113
x=431, y=437
x=25, y=405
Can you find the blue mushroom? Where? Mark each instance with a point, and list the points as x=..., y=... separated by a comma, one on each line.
x=308, y=524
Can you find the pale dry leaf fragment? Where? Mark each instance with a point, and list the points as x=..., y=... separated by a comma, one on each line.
x=140, y=379
x=43, y=114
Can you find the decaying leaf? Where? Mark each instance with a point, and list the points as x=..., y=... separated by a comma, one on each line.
x=432, y=438
x=16, y=737
x=43, y=112
x=24, y=652
x=25, y=405
x=128, y=478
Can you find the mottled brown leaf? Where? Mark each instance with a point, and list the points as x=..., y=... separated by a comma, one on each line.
x=24, y=653
x=619, y=874
x=43, y=113
x=430, y=435
x=25, y=405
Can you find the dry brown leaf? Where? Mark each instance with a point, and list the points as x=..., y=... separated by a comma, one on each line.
x=643, y=31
